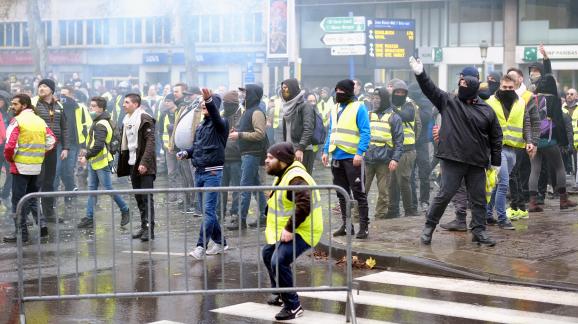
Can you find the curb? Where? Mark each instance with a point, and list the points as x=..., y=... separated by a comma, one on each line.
x=425, y=266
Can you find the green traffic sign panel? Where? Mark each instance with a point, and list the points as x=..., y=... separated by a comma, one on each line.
x=343, y=24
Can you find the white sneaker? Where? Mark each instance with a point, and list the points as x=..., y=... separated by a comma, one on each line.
x=217, y=249
x=198, y=252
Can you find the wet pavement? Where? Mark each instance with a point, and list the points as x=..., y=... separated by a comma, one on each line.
x=108, y=260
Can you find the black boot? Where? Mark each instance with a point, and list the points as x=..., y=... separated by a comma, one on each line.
x=363, y=231
x=342, y=230
x=482, y=238
x=455, y=225
x=426, y=234
x=146, y=236
x=13, y=238
x=140, y=233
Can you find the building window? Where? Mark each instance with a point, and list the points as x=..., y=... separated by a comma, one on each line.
x=550, y=22
x=16, y=34
x=472, y=21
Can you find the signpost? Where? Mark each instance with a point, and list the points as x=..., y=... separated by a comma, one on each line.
x=348, y=50
x=392, y=41
x=343, y=39
x=343, y=24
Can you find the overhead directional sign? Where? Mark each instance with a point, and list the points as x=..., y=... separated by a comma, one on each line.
x=343, y=24
x=343, y=39
x=348, y=50
x=391, y=41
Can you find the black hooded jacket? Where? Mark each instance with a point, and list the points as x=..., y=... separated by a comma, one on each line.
x=470, y=132
x=252, y=137
x=546, y=89
x=425, y=113
x=382, y=154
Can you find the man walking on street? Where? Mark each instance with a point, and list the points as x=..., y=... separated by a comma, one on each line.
x=298, y=122
x=348, y=140
x=29, y=139
x=208, y=157
x=470, y=137
x=52, y=112
x=99, y=158
x=138, y=159
x=385, y=149
x=294, y=225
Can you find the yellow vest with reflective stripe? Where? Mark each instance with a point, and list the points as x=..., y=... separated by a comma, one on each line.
x=513, y=127
x=344, y=131
x=277, y=111
x=325, y=109
x=380, y=130
x=575, y=126
x=31, y=139
x=166, y=135
x=103, y=157
x=83, y=122
x=281, y=210
x=527, y=96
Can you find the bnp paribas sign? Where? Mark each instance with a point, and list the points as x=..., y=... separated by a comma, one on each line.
x=556, y=52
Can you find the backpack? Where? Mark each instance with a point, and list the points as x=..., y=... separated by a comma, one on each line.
x=546, y=124
x=114, y=145
x=319, y=131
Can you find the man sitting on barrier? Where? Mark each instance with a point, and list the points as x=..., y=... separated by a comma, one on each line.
x=291, y=215
x=208, y=158
x=28, y=140
x=98, y=141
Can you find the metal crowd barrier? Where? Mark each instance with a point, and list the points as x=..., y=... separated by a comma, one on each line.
x=37, y=248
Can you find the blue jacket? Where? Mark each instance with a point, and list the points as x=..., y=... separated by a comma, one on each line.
x=208, y=151
x=362, y=120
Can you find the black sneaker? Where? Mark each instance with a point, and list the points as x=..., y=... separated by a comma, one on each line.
x=124, y=218
x=43, y=231
x=455, y=225
x=482, y=238
x=86, y=223
x=491, y=221
x=288, y=314
x=275, y=300
x=507, y=225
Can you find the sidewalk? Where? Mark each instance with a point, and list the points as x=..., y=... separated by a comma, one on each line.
x=543, y=250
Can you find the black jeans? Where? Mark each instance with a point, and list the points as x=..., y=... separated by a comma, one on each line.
x=352, y=179
x=519, y=192
x=46, y=181
x=452, y=175
x=423, y=164
x=145, y=203
x=22, y=185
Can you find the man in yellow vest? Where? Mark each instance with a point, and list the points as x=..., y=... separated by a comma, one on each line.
x=348, y=140
x=570, y=106
x=385, y=149
x=98, y=156
x=325, y=105
x=294, y=224
x=520, y=175
x=517, y=131
x=401, y=177
x=28, y=140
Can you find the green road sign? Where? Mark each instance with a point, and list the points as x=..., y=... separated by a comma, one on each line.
x=530, y=54
x=343, y=24
x=438, y=54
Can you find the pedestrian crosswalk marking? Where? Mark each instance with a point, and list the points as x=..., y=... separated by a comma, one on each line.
x=155, y=253
x=443, y=308
x=267, y=313
x=474, y=287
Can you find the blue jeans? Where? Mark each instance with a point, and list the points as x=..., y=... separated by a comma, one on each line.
x=499, y=194
x=102, y=176
x=231, y=178
x=210, y=226
x=282, y=257
x=250, y=177
x=65, y=168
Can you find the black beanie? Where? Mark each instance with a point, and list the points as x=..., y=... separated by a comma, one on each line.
x=49, y=83
x=346, y=85
x=283, y=152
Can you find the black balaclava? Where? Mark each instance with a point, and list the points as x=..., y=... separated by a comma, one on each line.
x=294, y=89
x=347, y=87
x=471, y=91
x=385, y=101
x=398, y=100
x=507, y=97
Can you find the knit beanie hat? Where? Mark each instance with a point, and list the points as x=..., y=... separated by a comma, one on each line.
x=49, y=83
x=283, y=152
x=231, y=97
x=346, y=85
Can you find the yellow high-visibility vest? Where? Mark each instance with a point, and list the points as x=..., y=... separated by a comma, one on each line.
x=575, y=126
x=344, y=132
x=514, y=126
x=380, y=130
x=325, y=108
x=281, y=209
x=103, y=158
x=31, y=139
x=83, y=122
x=277, y=111
x=166, y=135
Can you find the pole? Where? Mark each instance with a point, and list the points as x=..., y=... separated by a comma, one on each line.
x=351, y=60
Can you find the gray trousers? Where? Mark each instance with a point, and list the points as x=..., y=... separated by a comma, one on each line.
x=173, y=173
x=186, y=173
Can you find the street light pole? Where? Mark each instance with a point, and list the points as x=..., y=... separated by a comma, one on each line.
x=484, y=55
x=170, y=62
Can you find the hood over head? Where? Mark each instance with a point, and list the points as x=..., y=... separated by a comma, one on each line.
x=293, y=86
x=253, y=95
